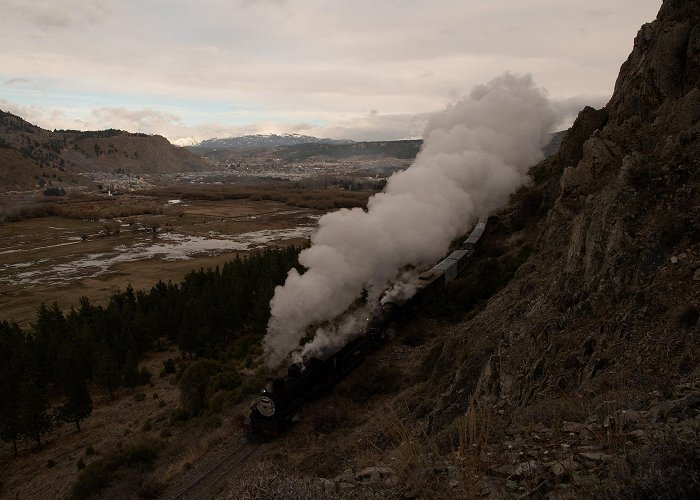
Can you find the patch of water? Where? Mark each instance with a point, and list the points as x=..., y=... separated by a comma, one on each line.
x=73, y=241
x=166, y=246
x=289, y=212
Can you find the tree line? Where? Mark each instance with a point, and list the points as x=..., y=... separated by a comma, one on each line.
x=209, y=312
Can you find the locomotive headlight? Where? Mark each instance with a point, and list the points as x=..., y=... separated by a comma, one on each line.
x=266, y=406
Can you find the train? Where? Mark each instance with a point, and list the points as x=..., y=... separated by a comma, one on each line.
x=282, y=397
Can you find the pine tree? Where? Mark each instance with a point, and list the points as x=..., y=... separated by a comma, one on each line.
x=11, y=356
x=33, y=416
x=193, y=385
x=73, y=377
x=106, y=369
x=79, y=404
x=130, y=374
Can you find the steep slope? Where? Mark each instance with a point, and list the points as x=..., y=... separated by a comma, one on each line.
x=133, y=153
x=605, y=310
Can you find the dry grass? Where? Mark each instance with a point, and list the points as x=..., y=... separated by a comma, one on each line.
x=473, y=432
x=113, y=425
x=415, y=456
x=150, y=202
x=190, y=453
x=106, y=443
x=668, y=467
x=320, y=199
x=421, y=469
x=89, y=207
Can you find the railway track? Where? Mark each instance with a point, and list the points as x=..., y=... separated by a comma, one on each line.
x=203, y=486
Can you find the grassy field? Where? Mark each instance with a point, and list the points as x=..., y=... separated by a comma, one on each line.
x=60, y=259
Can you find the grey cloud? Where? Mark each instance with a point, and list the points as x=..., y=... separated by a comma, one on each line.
x=35, y=114
x=56, y=13
x=17, y=81
x=139, y=120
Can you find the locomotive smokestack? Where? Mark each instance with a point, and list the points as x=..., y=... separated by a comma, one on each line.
x=474, y=155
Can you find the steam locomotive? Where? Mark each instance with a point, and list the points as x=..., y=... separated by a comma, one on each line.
x=281, y=399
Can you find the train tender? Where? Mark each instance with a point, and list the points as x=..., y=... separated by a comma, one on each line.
x=282, y=397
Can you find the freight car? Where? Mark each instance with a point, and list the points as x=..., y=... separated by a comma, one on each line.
x=282, y=397
x=432, y=281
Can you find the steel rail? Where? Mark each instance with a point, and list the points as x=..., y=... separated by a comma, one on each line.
x=184, y=491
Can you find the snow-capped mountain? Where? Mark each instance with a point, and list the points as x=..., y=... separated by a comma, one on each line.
x=264, y=140
x=185, y=141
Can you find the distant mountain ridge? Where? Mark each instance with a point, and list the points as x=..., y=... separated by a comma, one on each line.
x=264, y=140
x=32, y=157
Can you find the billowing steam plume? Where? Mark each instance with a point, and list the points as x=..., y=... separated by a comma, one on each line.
x=474, y=155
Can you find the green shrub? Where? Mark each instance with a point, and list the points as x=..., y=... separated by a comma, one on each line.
x=98, y=475
x=249, y=386
x=216, y=401
x=226, y=381
x=54, y=191
x=144, y=376
x=194, y=383
x=169, y=366
x=179, y=415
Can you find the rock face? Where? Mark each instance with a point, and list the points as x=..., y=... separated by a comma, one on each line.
x=607, y=300
x=663, y=65
x=588, y=358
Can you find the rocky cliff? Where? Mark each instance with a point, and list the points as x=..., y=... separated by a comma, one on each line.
x=601, y=321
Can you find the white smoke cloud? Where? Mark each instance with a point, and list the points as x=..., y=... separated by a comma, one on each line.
x=474, y=155
x=332, y=337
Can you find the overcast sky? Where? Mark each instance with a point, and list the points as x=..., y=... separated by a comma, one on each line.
x=355, y=69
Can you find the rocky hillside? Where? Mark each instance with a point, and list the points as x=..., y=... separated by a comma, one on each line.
x=580, y=377
x=600, y=325
x=31, y=156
